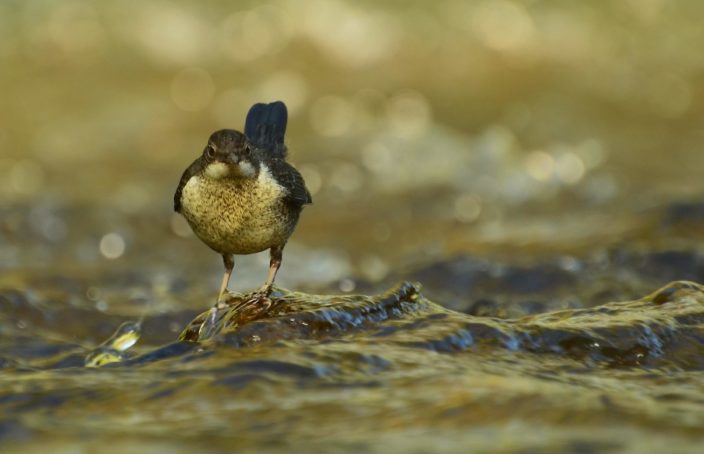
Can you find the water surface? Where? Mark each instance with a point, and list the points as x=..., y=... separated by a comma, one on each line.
x=395, y=371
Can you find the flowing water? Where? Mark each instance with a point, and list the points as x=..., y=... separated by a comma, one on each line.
x=308, y=372
x=504, y=253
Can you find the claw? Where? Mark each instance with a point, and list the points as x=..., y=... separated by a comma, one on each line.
x=265, y=290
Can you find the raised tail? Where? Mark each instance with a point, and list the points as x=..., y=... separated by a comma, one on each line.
x=265, y=127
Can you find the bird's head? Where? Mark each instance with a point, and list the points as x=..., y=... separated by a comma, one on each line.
x=229, y=154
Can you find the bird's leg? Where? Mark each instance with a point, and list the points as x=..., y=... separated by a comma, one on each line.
x=229, y=262
x=274, y=263
x=209, y=324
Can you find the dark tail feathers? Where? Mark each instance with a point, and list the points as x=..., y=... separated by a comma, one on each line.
x=266, y=125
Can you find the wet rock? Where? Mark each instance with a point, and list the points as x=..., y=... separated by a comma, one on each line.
x=288, y=314
x=627, y=334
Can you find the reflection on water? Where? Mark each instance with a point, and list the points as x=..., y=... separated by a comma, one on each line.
x=526, y=162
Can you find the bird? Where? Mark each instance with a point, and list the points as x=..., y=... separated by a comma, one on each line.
x=241, y=196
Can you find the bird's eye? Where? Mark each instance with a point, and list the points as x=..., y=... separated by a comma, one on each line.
x=210, y=152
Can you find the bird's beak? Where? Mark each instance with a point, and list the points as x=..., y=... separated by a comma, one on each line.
x=233, y=159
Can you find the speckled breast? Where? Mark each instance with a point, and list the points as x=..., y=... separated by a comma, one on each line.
x=238, y=216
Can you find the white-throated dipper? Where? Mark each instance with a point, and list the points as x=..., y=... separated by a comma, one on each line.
x=241, y=196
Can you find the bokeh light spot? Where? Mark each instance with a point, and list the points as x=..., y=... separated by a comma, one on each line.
x=569, y=168
x=409, y=114
x=467, y=207
x=540, y=165
x=112, y=246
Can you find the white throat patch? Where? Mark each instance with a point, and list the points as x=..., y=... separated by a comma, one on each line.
x=217, y=170
x=247, y=169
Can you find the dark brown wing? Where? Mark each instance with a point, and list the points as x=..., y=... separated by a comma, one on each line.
x=288, y=177
x=193, y=169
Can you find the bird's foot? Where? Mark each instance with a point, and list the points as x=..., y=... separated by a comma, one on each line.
x=262, y=296
x=265, y=290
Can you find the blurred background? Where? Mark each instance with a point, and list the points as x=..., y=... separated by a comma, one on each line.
x=438, y=139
